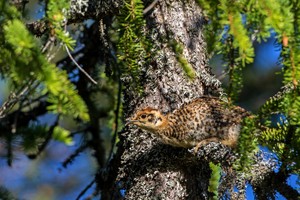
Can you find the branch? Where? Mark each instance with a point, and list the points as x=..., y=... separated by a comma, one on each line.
x=273, y=182
x=12, y=100
x=80, y=68
x=146, y=10
x=106, y=177
x=85, y=189
x=113, y=141
x=42, y=147
x=71, y=158
x=266, y=181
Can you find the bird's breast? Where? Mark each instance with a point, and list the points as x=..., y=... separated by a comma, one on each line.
x=173, y=141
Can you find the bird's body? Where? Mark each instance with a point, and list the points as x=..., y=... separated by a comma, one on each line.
x=203, y=120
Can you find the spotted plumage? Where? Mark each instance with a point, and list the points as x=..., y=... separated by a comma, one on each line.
x=203, y=120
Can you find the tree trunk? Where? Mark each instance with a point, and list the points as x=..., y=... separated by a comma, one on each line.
x=150, y=169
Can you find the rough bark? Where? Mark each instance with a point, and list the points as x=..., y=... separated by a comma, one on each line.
x=149, y=169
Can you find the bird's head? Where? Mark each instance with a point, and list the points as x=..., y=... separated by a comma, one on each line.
x=149, y=119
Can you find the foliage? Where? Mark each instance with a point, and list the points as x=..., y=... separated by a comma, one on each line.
x=234, y=25
x=247, y=144
x=62, y=135
x=57, y=16
x=232, y=28
x=24, y=63
x=214, y=180
x=5, y=194
x=133, y=47
x=281, y=134
x=227, y=33
x=33, y=136
x=29, y=69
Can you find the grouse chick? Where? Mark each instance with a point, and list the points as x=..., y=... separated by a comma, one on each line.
x=194, y=124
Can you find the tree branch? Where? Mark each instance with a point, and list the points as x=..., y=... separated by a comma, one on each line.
x=12, y=100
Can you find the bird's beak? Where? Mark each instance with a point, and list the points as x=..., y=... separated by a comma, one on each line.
x=130, y=122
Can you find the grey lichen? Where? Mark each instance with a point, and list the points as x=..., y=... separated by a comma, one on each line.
x=79, y=6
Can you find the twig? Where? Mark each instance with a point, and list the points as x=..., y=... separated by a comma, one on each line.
x=71, y=158
x=85, y=189
x=9, y=153
x=42, y=147
x=51, y=55
x=29, y=102
x=113, y=140
x=149, y=7
x=11, y=101
x=72, y=134
x=50, y=40
x=74, y=61
x=80, y=68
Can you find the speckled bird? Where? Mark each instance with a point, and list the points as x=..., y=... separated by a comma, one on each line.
x=194, y=124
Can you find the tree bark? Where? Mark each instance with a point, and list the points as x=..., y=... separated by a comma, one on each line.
x=150, y=169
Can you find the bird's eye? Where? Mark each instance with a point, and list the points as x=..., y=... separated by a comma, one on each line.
x=143, y=116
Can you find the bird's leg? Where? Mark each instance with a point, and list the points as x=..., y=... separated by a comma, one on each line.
x=205, y=142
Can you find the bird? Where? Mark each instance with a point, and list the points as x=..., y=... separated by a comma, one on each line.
x=195, y=124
